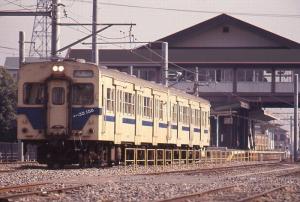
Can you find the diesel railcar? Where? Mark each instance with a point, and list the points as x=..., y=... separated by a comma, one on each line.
x=79, y=113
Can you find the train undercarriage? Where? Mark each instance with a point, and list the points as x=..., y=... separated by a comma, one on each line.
x=58, y=153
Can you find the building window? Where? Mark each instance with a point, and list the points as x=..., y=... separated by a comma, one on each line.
x=253, y=75
x=110, y=99
x=283, y=76
x=215, y=75
x=225, y=29
x=147, y=74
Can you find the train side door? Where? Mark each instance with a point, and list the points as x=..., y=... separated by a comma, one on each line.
x=192, y=117
x=57, y=107
x=138, y=117
x=155, y=119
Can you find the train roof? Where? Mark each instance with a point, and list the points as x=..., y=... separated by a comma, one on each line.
x=123, y=76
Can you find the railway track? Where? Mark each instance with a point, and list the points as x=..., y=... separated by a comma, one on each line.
x=18, y=187
x=197, y=195
x=264, y=193
x=293, y=172
x=216, y=169
x=7, y=171
x=211, y=194
x=31, y=190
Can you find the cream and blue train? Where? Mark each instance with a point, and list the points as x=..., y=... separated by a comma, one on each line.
x=80, y=113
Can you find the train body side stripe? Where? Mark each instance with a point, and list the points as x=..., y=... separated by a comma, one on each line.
x=174, y=127
x=109, y=118
x=80, y=115
x=197, y=130
x=163, y=125
x=128, y=120
x=147, y=123
x=35, y=116
x=184, y=128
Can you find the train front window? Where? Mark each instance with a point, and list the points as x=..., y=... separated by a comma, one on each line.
x=58, y=96
x=82, y=94
x=34, y=93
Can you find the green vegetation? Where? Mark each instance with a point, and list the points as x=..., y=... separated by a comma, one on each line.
x=8, y=101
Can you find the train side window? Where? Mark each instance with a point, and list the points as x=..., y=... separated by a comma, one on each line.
x=147, y=107
x=129, y=103
x=83, y=94
x=110, y=99
x=174, y=113
x=161, y=110
x=202, y=118
x=184, y=115
x=180, y=114
x=58, y=96
x=34, y=93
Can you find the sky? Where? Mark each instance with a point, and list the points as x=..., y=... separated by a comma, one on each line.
x=169, y=16
x=164, y=17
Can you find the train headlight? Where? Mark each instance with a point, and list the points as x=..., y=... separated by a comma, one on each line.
x=55, y=68
x=61, y=68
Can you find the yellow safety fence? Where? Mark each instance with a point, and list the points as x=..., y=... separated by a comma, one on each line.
x=170, y=157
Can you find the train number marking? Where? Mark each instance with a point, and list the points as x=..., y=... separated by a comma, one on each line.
x=82, y=113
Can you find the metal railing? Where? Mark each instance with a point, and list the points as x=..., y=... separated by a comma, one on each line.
x=170, y=157
x=9, y=152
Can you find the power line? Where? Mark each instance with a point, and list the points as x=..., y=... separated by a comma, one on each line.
x=195, y=11
x=9, y=48
x=19, y=5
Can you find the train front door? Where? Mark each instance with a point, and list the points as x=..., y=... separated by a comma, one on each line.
x=57, y=108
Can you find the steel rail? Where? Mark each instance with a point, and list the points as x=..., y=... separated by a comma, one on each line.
x=264, y=172
x=261, y=194
x=200, y=170
x=46, y=191
x=6, y=171
x=289, y=173
x=195, y=195
x=23, y=186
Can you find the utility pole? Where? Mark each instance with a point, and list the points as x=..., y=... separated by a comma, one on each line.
x=54, y=29
x=131, y=70
x=165, y=61
x=21, y=49
x=21, y=62
x=95, y=57
x=296, y=127
x=197, y=81
x=291, y=137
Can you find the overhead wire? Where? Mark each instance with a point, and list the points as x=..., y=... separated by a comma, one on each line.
x=193, y=11
x=19, y=5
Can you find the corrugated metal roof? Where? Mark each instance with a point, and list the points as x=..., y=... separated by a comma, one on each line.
x=193, y=56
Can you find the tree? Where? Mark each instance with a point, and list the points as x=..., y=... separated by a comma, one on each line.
x=8, y=101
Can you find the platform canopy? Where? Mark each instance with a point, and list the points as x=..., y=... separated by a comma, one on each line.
x=261, y=115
